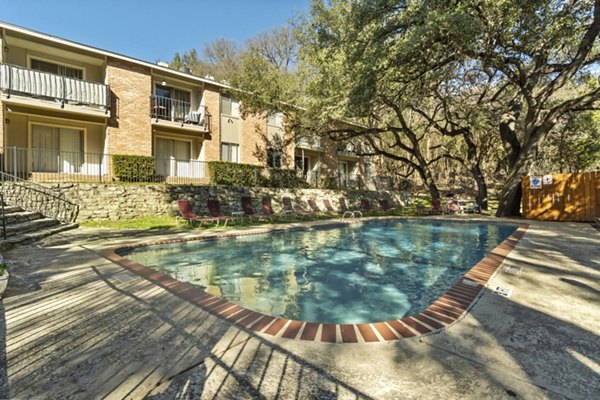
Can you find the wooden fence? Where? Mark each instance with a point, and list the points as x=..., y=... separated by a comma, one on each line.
x=562, y=197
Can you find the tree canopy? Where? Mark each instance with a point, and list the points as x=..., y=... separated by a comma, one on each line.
x=480, y=83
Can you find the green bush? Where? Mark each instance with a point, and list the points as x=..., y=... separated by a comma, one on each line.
x=235, y=174
x=127, y=168
x=285, y=178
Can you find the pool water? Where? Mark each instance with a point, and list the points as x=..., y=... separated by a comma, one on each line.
x=366, y=272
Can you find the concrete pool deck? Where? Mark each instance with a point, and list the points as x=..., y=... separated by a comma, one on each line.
x=75, y=325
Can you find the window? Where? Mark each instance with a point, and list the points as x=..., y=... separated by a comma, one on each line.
x=275, y=119
x=230, y=106
x=230, y=152
x=57, y=69
x=56, y=149
x=273, y=158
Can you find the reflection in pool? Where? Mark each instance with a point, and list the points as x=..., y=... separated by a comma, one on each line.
x=373, y=271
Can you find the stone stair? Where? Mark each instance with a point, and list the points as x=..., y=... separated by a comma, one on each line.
x=24, y=227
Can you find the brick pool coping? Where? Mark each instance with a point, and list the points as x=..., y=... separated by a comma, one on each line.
x=445, y=311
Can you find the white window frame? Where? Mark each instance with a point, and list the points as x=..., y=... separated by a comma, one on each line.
x=63, y=64
x=229, y=152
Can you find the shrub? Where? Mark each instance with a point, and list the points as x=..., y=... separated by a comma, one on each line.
x=128, y=168
x=285, y=178
x=235, y=174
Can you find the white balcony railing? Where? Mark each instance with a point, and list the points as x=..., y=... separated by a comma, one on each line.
x=34, y=83
x=167, y=109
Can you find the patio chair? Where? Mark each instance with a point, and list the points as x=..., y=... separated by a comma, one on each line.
x=365, y=206
x=344, y=208
x=186, y=212
x=214, y=210
x=329, y=208
x=267, y=209
x=312, y=203
x=249, y=210
x=384, y=206
x=288, y=208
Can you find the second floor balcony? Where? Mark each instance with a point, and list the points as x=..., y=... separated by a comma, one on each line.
x=179, y=114
x=25, y=83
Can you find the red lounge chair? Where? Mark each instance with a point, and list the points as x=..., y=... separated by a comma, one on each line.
x=214, y=210
x=347, y=211
x=267, y=209
x=289, y=209
x=330, y=208
x=384, y=206
x=315, y=208
x=365, y=206
x=186, y=211
x=249, y=211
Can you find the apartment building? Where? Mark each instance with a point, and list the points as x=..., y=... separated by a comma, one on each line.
x=66, y=108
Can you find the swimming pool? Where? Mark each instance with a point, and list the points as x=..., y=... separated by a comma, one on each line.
x=371, y=271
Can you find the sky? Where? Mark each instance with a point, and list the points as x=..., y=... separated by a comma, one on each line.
x=150, y=30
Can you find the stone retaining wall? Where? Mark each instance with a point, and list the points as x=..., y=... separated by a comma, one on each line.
x=121, y=201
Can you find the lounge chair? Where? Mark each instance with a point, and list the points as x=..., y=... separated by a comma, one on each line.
x=267, y=209
x=365, y=206
x=290, y=209
x=214, y=210
x=249, y=211
x=347, y=211
x=384, y=206
x=312, y=203
x=330, y=208
x=186, y=212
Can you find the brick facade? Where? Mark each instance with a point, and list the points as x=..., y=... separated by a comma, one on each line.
x=129, y=130
x=253, y=147
x=212, y=142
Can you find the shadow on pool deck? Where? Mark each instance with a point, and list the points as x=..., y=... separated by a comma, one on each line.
x=81, y=327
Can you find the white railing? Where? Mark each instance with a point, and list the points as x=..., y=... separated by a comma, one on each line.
x=19, y=80
x=51, y=165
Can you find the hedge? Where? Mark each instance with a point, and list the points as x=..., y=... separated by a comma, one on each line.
x=128, y=168
x=285, y=178
x=235, y=174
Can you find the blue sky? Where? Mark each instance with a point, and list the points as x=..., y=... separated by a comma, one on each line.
x=150, y=30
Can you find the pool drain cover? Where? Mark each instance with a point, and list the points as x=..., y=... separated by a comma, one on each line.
x=513, y=270
x=505, y=292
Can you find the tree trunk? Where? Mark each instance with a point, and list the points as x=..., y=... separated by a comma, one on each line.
x=482, y=191
x=510, y=197
x=430, y=183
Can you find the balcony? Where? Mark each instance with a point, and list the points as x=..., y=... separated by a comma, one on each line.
x=179, y=114
x=42, y=89
x=309, y=143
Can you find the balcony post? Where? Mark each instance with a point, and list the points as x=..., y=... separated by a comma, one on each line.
x=15, y=163
x=64, y=94
x=9, y=69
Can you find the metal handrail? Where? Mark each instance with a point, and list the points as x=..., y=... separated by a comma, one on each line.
x=3, y=217
x=174, y=110
x=33, y=197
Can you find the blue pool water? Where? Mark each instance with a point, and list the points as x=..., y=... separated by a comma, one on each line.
x=373, y=271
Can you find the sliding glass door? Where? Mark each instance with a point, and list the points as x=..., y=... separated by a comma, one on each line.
x=173, y=157
x=56, y=149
